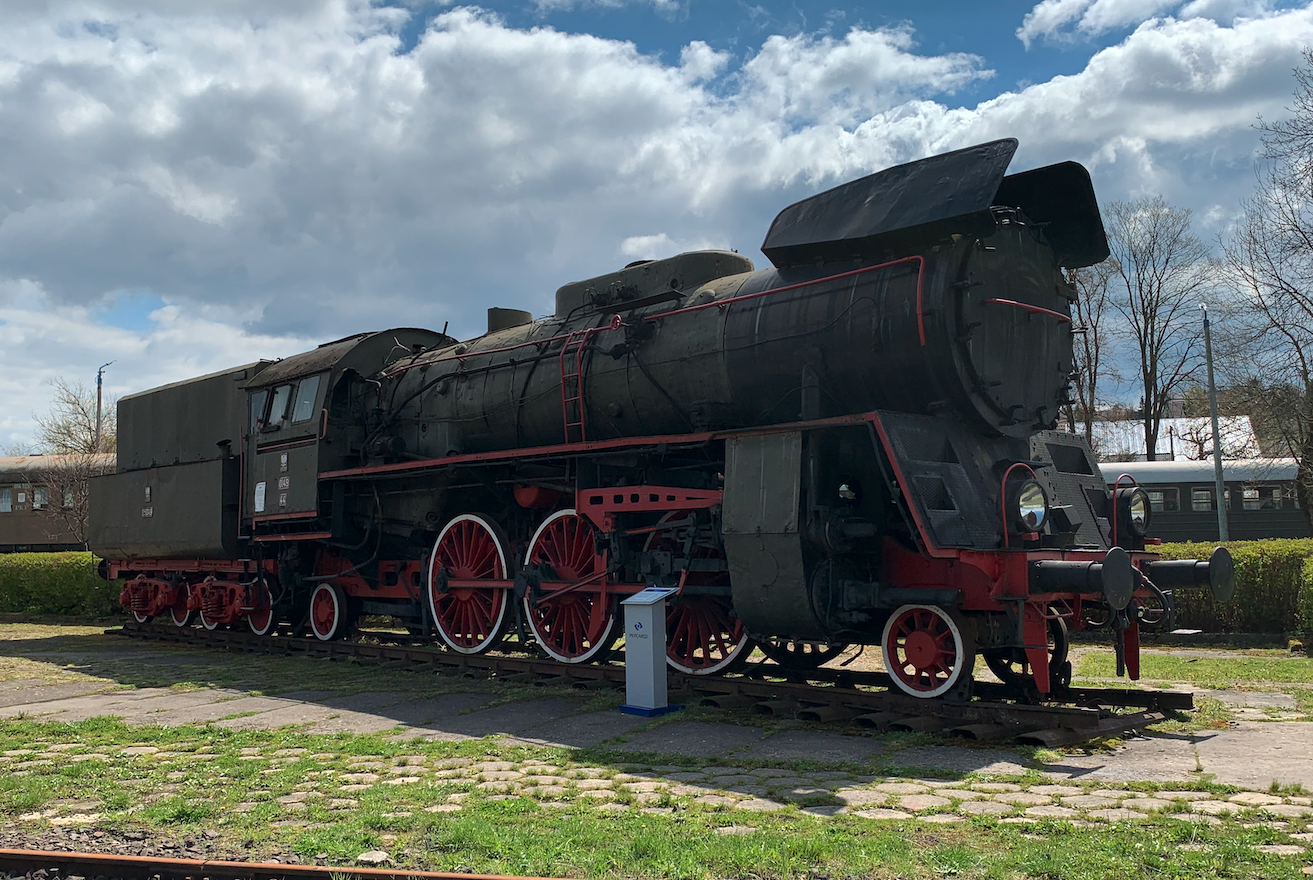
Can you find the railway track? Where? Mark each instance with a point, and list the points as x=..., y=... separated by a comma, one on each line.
x=22, y=863
x=826, y=695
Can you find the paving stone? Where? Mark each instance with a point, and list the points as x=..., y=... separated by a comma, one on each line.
x=1148, y=804
x=1197, y=818
x=1306, y=836
x=1281, y=849
x=604, y=794
x=723, y=781
x=360, y=778
x=1289, y=811
x=546, y=791
x=1089, y=802
x=343, y=803
x=1213, y=808
x=882, y=814
x=1051, y=812
x=139, y=750
x=984, y=808
x=1062, y=791
x=1022, y=797
x=716, y=800
x=902, y=788
x=996, y=786
x=1254, y=799
x=919, y=802
x=735, y=829
x=1301, y=801
x=1019, y=820
x=593, y=784
x=941, y=819
x=695, y=739
x=754, y=790
x=1180, y=795
x=500, y=775
x=356, y=786
x=645, y=786
x=825, y=811
x=613, y=808
x=443, y=808
x=1116, y=814
x=401, y=780
x=768, y=772
x=857, y=796
x=1191, y=847
x=760, y=805
x=685, y=776
x=719, y=770
x=803, y=793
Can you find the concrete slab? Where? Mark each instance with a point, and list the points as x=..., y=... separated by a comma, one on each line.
x=697, y=739
x=44, y=693
x=209, y=712
x=88, y=706
x=509, y=717
x=1253, y=753
x=583, y=731
x=813, y=745
x=1252, y=699
x=424, y=711
x=1164, y=758
x=288, y=716
x=351, y=722
x=958, y=759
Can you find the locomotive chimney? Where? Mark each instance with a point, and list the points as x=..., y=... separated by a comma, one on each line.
x=504, y=319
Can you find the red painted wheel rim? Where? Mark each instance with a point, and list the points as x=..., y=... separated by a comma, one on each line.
x=469, y=618
x=572, y=626
x=701, y=636
x=261, y=617
x=324, y=612
x=923, y=651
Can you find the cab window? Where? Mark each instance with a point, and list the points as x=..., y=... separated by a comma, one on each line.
x=278, y=407
x=306, y=392
x=257, y=409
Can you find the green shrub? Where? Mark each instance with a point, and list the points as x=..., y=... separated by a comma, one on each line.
x=55, y=583
x=1273, y=590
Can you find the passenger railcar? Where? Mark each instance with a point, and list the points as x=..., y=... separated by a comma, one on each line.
x=35, y=492
x=1258, y=494
x=853, y=445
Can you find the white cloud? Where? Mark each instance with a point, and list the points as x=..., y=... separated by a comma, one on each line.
x=293, y=175
x=666, y=7
x=1062, y=19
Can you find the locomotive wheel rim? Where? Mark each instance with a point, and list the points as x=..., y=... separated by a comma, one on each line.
x=702, y=635
x=469, y=620
x=207, y=623
x=262, y=620
x=702, y=638
x=180, y=613
x=1011, y=665
x=326, y=612
x=577, y=626
x=142, y=618
x=923, y=650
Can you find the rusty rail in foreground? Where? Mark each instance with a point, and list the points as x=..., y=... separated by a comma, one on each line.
x=134, y=867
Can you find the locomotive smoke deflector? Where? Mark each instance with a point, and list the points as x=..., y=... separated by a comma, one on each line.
x=937, y=197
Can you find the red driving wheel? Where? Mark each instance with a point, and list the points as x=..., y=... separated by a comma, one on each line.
x=577, y=625
x=328, y=612
x=261, y=616
x=469, y=619
x=927, y=649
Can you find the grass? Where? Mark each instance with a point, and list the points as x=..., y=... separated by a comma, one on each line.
x=1218, y=672
x=182, y=793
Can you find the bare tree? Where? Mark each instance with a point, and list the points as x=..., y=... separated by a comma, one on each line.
x=1165, y=270
x=61, y=481
x=1270, y=258
x=70, y=426
x=1092, y=304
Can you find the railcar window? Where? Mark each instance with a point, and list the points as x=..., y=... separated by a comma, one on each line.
x=257, y=409
x=40, y=497
x=1262, y=498
x=68, y=498
x=278, y=408
x=6, y=500
x=306, y=393
x=1202, y=499
x=1164, y=499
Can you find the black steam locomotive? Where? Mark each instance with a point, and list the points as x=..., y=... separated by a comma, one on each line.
x=855, y=445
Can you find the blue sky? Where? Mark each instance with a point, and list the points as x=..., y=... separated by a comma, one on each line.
x=184, y=187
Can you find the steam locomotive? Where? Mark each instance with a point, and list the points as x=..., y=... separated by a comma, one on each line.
x=855, y=445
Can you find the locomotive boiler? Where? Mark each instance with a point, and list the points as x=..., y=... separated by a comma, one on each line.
x=855, y=445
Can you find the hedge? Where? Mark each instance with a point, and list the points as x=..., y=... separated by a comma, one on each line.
x=55, y=583
x=1273, y=589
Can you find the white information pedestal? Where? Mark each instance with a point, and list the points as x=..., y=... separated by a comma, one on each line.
x=645, y=652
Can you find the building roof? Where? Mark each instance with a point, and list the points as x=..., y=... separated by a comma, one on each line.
x=23, y=465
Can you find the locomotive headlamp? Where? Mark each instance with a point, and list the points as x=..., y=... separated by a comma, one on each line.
x=1031, y=506
x=1133, y=510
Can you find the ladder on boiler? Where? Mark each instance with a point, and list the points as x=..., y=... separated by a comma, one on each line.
x=572, y=385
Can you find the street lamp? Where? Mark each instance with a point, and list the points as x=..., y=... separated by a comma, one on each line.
x=1219, y=489
x=100, y=381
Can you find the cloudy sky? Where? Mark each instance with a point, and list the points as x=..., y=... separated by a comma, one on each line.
x=188, y=186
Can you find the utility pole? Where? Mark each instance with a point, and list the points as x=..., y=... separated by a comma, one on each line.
x=1219, y=489
x=100, y=381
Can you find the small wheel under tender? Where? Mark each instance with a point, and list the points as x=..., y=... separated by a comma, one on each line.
x=180, y=614
x=470, y=619
x=928, y=650
x=261, y=617
x=799, y=656
x=330, y=616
